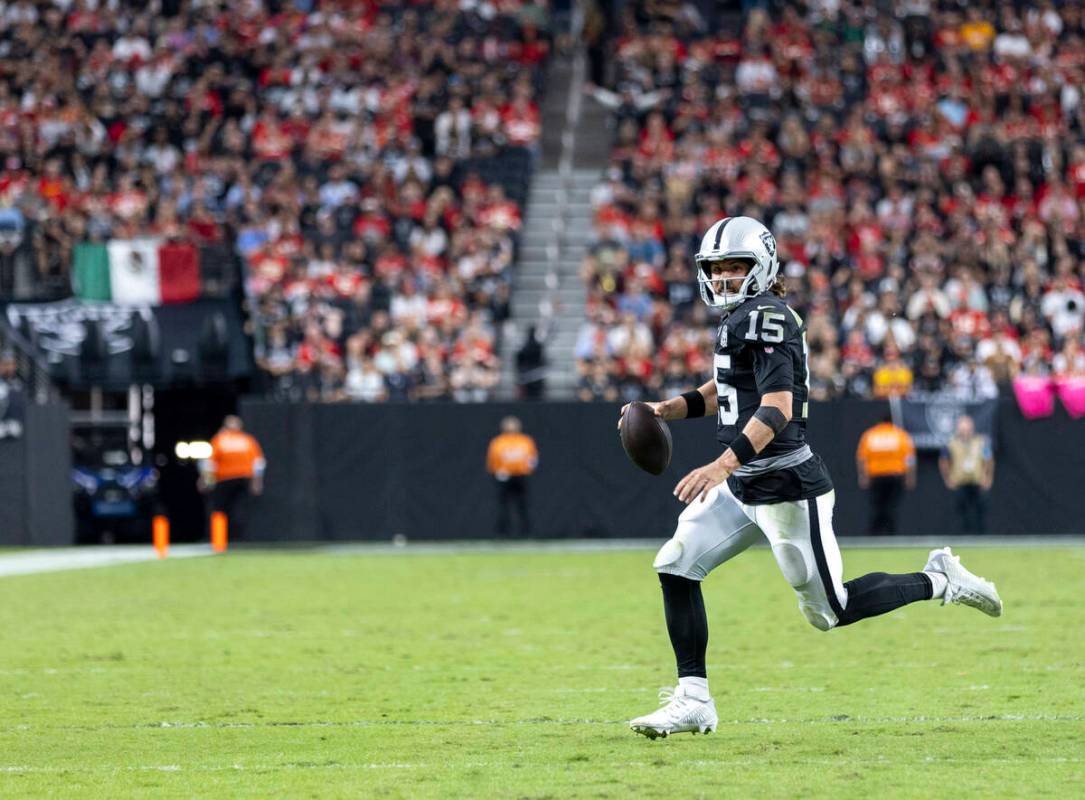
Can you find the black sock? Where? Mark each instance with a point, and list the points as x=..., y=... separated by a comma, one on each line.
x=687, y=624
x=879, y=592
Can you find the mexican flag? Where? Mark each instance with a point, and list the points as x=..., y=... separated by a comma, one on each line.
x=133, y=271
x=136, y=272
x=90, y=271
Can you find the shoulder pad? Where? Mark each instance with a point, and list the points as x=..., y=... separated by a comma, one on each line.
x=766, y=320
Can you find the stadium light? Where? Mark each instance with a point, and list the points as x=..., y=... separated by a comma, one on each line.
x=192, y=451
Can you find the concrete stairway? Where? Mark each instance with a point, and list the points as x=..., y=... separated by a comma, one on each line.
x=547, y=290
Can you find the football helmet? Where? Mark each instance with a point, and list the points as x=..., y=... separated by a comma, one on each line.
x=736, y=237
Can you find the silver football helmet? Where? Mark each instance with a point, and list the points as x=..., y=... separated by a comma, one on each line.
x=736, y=237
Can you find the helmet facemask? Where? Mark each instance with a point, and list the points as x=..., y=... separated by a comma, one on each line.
x=732, y=290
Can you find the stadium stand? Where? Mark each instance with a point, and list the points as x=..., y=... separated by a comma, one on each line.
x=921, y=163
x=366, y=161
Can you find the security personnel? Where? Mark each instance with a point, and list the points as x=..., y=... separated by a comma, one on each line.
x=511, y=458
x=885, y=460
x=236, y=467
x=968, y=469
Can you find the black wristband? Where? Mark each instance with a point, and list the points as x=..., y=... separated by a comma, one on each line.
x=742, y=447
x=773, y=417
x=695, y=405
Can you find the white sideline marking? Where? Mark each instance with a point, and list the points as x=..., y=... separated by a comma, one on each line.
x=366, y=548
x=65, y=558
x=34, y=561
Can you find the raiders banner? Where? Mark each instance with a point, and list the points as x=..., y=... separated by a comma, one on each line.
x=931, y=417
x=174, y=337
x=59, y=327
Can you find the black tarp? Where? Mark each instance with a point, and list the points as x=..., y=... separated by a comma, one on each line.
x=369, y=472
x=13, y=529
x=35, y=481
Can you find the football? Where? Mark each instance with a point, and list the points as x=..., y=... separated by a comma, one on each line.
x=646, y=438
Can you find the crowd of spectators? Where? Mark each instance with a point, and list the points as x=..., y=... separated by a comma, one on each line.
x=921, y=164
x=342, y=147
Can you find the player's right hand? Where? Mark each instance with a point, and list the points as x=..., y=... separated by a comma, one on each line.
x=657, y=409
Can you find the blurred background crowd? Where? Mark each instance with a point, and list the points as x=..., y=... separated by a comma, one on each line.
x=921, y=164
x=367, y=160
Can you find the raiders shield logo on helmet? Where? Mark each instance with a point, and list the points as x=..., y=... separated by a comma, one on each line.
x=770, y=243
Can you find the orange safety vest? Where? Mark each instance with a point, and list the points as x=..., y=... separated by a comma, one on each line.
x=235, y=454
x=885, y=449
x=512, y=454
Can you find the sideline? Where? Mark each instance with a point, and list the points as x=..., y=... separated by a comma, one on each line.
x=30, y=562
x=616, y=545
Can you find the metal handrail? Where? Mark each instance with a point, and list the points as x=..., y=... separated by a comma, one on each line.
x=556, y=249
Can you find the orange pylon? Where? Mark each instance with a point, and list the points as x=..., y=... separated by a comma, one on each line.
x=218, y=531
x=160, y=532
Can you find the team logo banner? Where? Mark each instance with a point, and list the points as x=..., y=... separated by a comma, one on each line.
x=931, y=417
x=60, y=330
x=175, y=331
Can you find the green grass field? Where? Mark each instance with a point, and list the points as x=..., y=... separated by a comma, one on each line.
x=511, y=675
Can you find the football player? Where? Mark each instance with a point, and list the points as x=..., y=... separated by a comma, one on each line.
x=767, y=484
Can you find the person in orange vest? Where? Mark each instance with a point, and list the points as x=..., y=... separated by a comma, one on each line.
x=235, y=468
x=511, y=458
x=886, y=463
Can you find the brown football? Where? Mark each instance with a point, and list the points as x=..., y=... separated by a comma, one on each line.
x=646, y=438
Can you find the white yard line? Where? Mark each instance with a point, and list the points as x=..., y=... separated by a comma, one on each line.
x=835, y=721
x=834, y=761
x=65, y=558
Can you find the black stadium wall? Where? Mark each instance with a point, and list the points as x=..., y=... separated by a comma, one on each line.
x=35, y=480
x=370, y=472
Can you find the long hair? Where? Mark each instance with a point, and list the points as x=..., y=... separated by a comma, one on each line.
x=779, y=287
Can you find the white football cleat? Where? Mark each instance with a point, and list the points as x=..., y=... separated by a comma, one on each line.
x=681, y=713
x=963, y=587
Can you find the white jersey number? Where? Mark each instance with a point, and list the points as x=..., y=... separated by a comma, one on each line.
x=772, y=331
x=726, y=394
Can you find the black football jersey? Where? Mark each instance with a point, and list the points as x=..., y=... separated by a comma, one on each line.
x=761, y=348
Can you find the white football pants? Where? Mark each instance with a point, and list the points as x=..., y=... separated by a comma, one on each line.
x=799, y=532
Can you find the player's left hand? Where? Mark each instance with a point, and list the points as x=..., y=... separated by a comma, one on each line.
x=700, y=481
